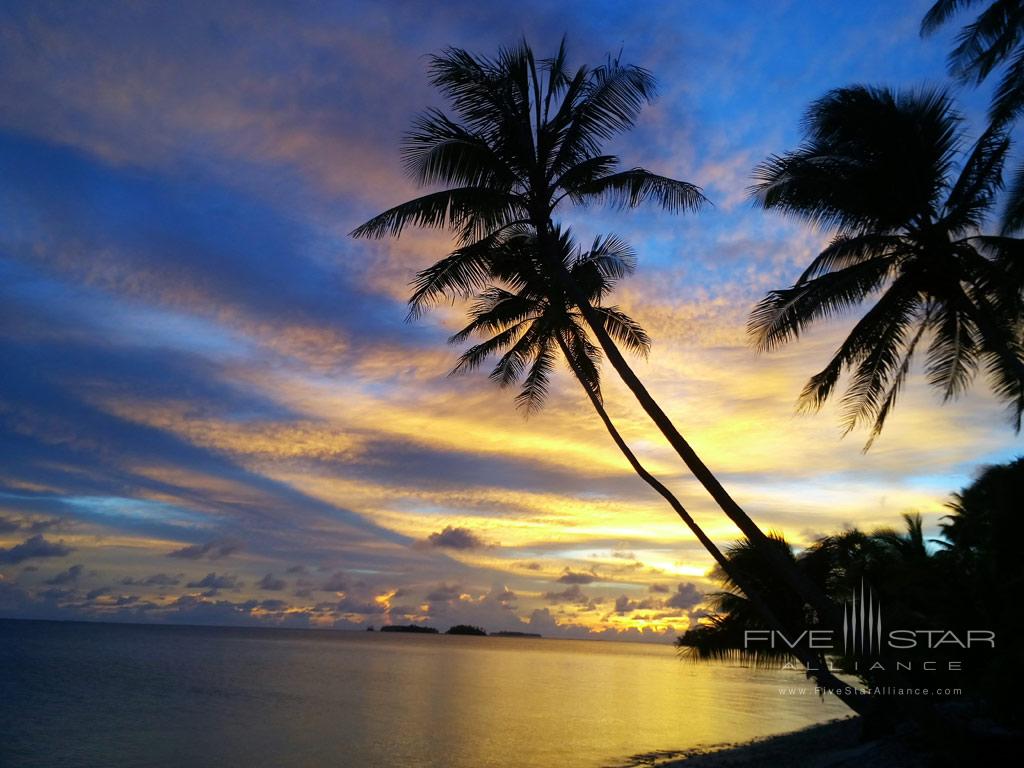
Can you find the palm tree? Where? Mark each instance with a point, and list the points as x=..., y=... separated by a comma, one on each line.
x=876, y=169
x=528, y=326
x=722, y=636
x=995, y=39
x=528, y=136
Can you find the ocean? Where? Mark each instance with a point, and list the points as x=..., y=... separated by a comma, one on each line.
x=108, y=695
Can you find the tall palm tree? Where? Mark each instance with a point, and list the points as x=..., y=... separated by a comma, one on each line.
x=877, y=170
x=527, y=325
x=994, y=40
x=526, y=137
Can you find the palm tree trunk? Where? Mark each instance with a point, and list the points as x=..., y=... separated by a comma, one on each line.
x=813, y=663
x=808, y=591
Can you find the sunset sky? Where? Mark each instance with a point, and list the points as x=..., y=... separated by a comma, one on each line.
x=212, y=410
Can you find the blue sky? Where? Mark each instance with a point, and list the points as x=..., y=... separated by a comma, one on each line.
x=204, y=375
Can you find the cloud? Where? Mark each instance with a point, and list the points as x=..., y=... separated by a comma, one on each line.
x=69, y=576
x=687, y=596
x=624, y=604
x=273, y=605
x=56, y=593
x=214, y=583
x=271, y=584
x=456, y=538
x=444, y=592
x=493, y=610
x=573, y=595
x=212, y=550
x=337, y=583
x=32, y=547
x=503, y=596
x=9, y=525
x=354, y=605
x=156, y=580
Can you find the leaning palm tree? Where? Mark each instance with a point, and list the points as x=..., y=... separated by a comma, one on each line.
x=877, y=170
x=528, y=136
x=532, y=322
x=994, y=40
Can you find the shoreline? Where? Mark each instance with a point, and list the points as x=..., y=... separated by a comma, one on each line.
x=834, y=744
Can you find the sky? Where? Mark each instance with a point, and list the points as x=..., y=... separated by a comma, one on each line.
x=212, y=410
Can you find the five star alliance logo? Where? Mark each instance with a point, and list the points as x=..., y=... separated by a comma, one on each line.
x=862, y=623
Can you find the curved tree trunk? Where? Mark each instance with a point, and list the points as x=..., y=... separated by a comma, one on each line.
x=826, y=609
x=862, y=704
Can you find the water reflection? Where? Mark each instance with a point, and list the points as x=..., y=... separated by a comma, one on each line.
x=94, y=694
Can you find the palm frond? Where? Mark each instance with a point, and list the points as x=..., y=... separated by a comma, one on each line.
x=535, y=387
x=629, y=189
x=624, y=329
x=941, y=12
x=471, y=210
x=582, y=356
x=463, y=271
x=1013, y=213
x=476, y=355
x=859, y=343
x=495, y=310
x=612, y=257
x=847, y=251
x=440, y=151
x=953, y=353
x=1008, y=98
x=873, y=159
x=879, y=366
x=981, y=179
x=783, y=314
x=598, y=105
x=887, y=402
x=984, y=43
x=510, y=367
x=586, y=171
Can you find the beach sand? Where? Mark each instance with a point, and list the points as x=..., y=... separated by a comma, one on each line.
x=835, y=744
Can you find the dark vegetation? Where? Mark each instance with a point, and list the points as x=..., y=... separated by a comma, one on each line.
x=466, y=629
x=411, y=628
x=967, y=580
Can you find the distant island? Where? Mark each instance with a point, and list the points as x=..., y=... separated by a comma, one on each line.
x=458, y=629
x=409, y=628
x=466, y=629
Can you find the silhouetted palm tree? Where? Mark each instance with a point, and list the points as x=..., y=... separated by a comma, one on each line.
x=722, y=636
x=527, y=136
x=995, y=39
x=526, y=329
x=877, y=170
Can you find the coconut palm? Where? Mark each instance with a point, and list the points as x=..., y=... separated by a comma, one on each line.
x=877, y=170
x=994, y=40
x=894, y=565
x=531, y=323
x=528, y=136
x=732, y=614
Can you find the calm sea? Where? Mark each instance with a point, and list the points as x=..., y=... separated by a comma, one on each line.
x=116, y=695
